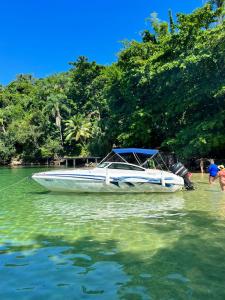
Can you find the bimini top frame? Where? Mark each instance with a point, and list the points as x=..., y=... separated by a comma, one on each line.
x=139, y=155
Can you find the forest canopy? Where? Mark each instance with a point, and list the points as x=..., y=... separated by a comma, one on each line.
x=166, y=91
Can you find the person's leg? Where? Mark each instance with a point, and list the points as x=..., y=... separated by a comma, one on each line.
x=211, y=179
x=222, y=185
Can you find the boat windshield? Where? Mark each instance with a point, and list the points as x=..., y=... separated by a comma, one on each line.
x=123, y=166
x=103, y=165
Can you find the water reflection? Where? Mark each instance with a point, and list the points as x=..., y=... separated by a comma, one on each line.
x=86, y=207
x=157, y=246
x=191, y=267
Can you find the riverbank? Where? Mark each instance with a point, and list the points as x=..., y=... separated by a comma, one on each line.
x=66, y=161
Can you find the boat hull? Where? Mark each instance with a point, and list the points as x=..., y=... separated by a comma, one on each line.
x=103, y=186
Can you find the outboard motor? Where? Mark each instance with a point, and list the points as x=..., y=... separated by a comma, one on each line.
x=180, y=170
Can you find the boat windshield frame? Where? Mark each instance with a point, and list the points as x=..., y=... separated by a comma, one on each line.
x=152, y=158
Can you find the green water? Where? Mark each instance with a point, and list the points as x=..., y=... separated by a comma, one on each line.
x=84, y=246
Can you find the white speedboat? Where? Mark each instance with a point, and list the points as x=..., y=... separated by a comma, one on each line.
x=114, y=174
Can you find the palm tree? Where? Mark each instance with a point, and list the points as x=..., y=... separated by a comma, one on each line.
x=55, y=105
x=78, y=128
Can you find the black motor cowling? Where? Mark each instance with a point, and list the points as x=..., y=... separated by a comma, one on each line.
x=180, y=170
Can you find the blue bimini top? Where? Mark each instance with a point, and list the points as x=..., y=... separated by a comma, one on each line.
x=135, y=150
x=213, y=170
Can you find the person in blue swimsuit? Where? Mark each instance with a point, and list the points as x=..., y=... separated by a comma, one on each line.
x=213, y=170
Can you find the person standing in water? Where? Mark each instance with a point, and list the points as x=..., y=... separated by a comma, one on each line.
x=201, y=164
x=221, y=176
x=213, y=170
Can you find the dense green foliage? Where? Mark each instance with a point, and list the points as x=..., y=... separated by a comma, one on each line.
x=166, y=91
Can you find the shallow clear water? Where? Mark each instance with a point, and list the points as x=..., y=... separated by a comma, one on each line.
x=103, y=246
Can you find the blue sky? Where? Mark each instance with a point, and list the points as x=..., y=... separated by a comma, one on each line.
x=40, y=37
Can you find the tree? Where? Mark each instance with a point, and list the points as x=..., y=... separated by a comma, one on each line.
x=166, y=91
x=78, y=129
x=172, y=24
x=55, y=105
x=83, y=75
x=217, y=3
x=56, y=102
